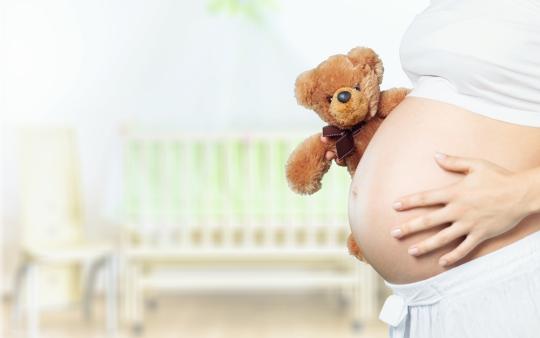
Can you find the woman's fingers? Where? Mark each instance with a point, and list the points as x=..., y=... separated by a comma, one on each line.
x=429, y=220
x=438, y=240
x=440, y=196
x=457, y=163
x=424, y=198
x=331, y=155
x=468, y=244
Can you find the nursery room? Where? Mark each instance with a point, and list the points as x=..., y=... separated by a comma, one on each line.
x=234, y=169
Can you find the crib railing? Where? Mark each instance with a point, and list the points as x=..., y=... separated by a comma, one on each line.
x=225, y=197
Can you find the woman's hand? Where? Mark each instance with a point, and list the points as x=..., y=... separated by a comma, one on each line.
x=487, y=202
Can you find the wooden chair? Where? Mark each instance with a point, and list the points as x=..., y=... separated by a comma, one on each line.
x=54, y=249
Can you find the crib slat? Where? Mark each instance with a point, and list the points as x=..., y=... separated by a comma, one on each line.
x=229, y=191
x=188, y=176
x=144, y=194
x=167, y=179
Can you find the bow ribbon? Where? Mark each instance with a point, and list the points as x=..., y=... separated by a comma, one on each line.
x=345, y=141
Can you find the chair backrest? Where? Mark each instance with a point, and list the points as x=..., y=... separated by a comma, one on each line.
x=227, y=191
x=50, y=187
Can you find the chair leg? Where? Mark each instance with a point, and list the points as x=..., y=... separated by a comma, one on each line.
x=89, y=290
x=19, y=282
x=33, y=303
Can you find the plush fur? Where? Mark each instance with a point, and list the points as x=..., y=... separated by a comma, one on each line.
x=360, y=74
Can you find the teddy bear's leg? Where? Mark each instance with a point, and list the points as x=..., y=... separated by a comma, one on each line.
x=307, y=165
x=354, y=249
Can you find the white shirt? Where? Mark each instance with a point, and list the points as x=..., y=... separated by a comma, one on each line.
x=481, y=55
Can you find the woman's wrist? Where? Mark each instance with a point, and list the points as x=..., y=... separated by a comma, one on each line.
x=529, y=182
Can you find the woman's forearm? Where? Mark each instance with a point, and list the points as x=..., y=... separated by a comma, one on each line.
x=530, y=180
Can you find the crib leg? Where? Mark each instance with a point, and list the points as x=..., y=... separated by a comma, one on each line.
x=136, y=301
x=359, y=298
x=127, y=295
x=356, y=308
x=112, y=281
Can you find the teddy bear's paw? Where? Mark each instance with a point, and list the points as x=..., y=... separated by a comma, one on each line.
x=307, y=165
x=303, y=188
x=302, y=182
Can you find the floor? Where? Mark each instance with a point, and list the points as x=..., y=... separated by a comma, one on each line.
x=220, y=316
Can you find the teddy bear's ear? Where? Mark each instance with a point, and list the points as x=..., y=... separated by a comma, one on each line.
x=366, y=56
x=304, y=87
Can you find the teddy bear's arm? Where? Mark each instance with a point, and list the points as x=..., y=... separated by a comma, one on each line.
x=307, y=165
x=389, y=99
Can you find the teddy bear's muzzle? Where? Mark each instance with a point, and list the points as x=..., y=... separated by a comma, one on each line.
x=348, y=106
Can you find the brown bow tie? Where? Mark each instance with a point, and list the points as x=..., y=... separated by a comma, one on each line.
x=345, y=141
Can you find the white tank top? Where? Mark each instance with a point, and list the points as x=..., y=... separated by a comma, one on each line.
x=481, y=55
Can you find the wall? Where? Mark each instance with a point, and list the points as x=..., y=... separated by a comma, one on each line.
x=96, y=65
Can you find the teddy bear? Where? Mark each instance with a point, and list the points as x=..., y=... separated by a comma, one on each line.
x=344, y=91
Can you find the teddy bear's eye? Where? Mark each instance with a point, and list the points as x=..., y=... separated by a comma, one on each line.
x=329, y=99
x=357, y=87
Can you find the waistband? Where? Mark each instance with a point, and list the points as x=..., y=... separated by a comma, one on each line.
x=479, y=272
x=441, y=89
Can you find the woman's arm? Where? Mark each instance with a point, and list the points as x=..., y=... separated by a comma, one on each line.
x=531, y=179
x=487, y=202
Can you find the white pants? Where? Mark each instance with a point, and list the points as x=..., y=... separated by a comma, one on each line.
x=493, y=296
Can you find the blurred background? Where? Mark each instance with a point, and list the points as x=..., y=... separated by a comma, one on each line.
x=142, y=169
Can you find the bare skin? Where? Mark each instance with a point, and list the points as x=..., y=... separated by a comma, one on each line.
x=399, y=162
x=488, y=201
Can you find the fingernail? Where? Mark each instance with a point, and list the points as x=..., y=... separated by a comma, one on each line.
x=396, y=205
x=413, y=250
x=439, y=155
x=395, y=232
x=443, y=262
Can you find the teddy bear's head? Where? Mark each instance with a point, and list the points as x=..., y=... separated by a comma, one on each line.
x=344, y=90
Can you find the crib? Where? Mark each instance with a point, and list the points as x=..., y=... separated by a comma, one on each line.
x=209, y=212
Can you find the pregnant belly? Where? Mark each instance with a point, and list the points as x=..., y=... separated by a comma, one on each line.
x=399, y=161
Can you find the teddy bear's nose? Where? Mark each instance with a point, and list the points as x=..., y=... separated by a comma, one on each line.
x=344, y=97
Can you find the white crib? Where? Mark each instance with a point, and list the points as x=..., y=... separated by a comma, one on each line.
x=214, y=212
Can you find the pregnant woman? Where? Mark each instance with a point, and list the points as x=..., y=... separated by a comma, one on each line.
x=456, y=237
